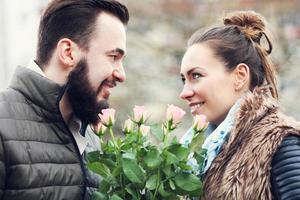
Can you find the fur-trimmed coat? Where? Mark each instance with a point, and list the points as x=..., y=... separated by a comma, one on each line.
x=242, y=170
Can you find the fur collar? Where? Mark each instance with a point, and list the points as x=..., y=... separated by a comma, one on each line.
x=242, y=169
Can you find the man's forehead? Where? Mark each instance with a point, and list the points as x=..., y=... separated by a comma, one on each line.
x=110, y=35
x=109, y=23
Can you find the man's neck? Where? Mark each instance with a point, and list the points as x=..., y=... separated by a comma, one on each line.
x=65, y=108
x=55, y=72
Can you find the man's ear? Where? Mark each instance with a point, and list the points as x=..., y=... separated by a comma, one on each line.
x=68, y=53
x=242, y=77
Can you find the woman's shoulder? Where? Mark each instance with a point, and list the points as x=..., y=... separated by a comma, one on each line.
x=285, y=171
x=289, y=148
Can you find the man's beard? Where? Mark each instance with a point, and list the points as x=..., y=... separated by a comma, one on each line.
x=81, y=95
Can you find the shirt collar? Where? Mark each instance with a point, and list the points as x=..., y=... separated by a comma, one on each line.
x=35, y=67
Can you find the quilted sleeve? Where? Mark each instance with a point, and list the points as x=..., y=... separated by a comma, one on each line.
x=285, y=172
x=2, y=169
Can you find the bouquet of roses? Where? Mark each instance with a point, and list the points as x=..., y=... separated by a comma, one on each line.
x=133, y=167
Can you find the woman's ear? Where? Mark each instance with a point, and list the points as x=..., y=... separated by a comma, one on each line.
x=68, y=53
x=242, y=77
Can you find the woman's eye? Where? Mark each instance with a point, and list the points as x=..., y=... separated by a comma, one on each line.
x=196, y=75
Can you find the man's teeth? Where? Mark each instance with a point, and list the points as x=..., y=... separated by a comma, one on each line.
x=196, y=106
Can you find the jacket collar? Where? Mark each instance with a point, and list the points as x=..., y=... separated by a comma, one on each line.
x=38, y=89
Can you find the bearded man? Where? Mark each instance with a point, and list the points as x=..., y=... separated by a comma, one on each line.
x=46, y=109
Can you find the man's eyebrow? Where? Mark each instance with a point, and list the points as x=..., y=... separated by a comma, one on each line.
x=117, y=50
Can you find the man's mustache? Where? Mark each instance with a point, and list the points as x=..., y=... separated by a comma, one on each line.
x=106, y=82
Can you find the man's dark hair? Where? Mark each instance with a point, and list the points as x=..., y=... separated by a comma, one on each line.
x=73, y=19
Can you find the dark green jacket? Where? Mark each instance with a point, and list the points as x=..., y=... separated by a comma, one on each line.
x=39, y=158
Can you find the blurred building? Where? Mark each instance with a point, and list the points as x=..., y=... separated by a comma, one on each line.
x=18, y=22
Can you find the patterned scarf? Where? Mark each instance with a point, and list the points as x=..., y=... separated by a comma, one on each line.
x=215, y=138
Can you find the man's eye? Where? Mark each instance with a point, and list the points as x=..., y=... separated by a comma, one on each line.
x=196, y=75
x=183, y=80
x=114, y=57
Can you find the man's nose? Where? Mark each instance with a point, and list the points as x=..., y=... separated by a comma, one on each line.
x=119, y=73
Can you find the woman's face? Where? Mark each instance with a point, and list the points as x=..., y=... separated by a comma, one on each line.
x=208, y=85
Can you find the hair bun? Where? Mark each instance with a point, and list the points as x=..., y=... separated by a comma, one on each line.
x=250, y=23
x=245, y=19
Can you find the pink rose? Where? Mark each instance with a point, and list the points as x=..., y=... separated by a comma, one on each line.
x=175, y=114
x=128, y=126
x=140, y=114
x=145, y=130
x=200, y=123
x=107, y=117
x=99, y=129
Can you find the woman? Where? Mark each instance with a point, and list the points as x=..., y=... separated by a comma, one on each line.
x=253, y=150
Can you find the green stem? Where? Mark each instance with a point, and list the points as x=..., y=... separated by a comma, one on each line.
x=138, y=192
x=122, y=186
x=101, y=143
x=113, y=138
x=166, y=134
x=157, y=184
x=139, y=134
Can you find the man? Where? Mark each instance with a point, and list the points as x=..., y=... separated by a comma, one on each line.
x=45, y=110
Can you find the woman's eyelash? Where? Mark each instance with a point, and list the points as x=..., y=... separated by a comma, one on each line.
x=196, y=75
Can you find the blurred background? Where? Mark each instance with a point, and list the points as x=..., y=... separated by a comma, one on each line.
x=157, y=36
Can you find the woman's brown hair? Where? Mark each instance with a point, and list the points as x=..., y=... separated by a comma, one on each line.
x=239, y=41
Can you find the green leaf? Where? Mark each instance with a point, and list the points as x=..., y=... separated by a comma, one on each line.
x=132, y=192
x=109, y=147
x=99, y=196
x=174, y=140
x=157, y=131
x=170, y=158
x=149, y=194
x=168, y=171
x=188, y=182
x=153, y=159
x=197, y=193
x=200, y=156
x=163, y=192
x=99, y=168
x=141, y=154
x=152, y=182
x=93, y=156
x=129, y=156
x=104, y=186
x=172, y=185
x=117, y=171
x=108, y=162
x=115, y=197
x=130, y=138
x=184, y=166
x=179, y=151
x=132, y=170
x=197, y=142
x=126, y=146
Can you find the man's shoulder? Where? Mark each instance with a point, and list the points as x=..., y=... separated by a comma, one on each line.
x=10, y=95
x=10, y=101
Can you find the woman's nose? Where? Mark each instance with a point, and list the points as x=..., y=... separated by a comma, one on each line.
x=186, y=93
